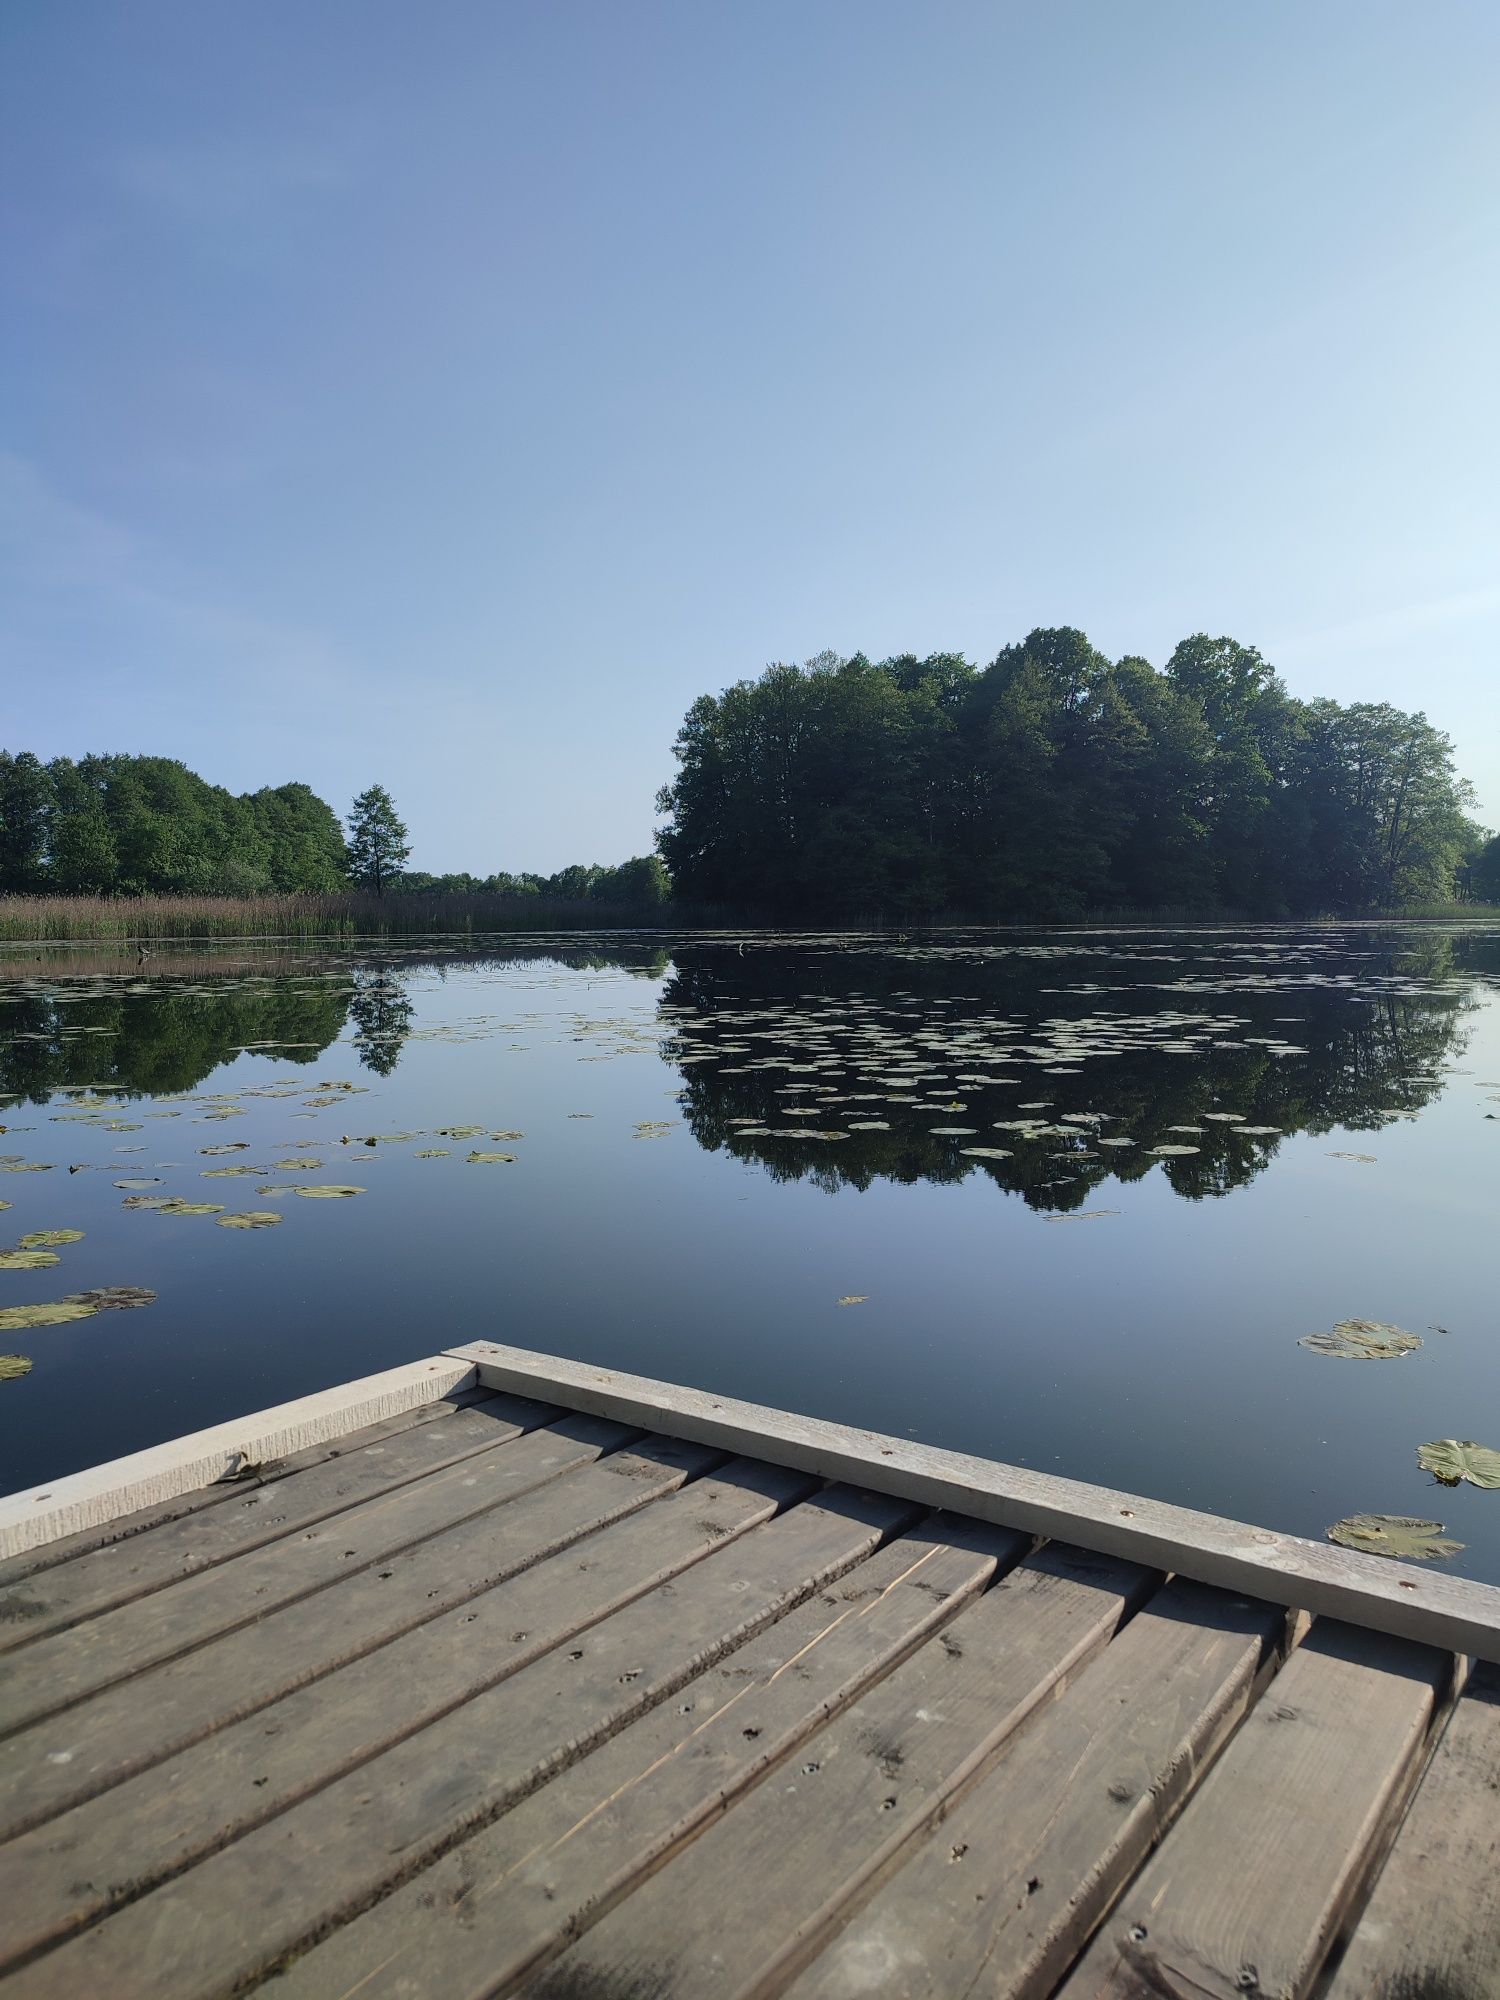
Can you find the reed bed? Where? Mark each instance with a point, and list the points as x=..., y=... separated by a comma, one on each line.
x=153, y=919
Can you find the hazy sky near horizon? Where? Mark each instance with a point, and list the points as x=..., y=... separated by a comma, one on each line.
x=448, y=394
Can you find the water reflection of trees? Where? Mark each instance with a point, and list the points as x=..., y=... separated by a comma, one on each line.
x=1368, y=1050
x=75, y=1016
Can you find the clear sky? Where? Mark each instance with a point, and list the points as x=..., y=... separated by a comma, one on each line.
x=448, y=393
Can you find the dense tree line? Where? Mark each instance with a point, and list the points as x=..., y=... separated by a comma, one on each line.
x=1055, y=781
x=130, y=826
x=641, y=883
x=141, y=825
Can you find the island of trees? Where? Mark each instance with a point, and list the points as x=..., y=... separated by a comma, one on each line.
x=1055, y=782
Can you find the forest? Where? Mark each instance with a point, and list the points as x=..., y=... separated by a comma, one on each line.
x=1055, y=782
x=148, y=826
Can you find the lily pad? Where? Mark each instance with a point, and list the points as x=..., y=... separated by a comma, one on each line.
x=14, y=1318
x=1403, y=1536
x=1452, y=1460
x=14, y=1165
x=45, y=1239
x=461, y=1131
x=507, y=1135
x=327, y=1193
x=176, y=1206
x=497, y=1159
x=228, y=1173
x=144, y=1201
x=655, y=1128
x=854, y=1299
x=236, y=1146
x=250, y=1218
x=113, y=1298
x=28, y=1260
x=432, y=1153
x=1173, y=1152
x=301, y=1165
x=1363, y=1340
x=1361, y=1159
x=984, y=1152
x=13, y=1367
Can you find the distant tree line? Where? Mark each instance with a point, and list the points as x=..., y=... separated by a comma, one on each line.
x=135, y=826
x=1055, y=781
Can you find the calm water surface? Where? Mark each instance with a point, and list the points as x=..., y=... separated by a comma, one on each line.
x=915, y=1185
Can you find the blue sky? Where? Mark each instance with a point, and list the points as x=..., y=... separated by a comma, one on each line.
x=448, y=394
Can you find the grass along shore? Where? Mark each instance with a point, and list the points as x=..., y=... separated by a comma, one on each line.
x=404, y=913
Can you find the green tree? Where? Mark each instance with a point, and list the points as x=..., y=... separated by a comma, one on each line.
x=26, y=799
x=378, y=845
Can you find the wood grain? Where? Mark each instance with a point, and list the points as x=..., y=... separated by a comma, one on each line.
x=1402, y=1598
x=1248, y=1892
x=1431, y=1930
x=1007, y=1889
x=216, y=1928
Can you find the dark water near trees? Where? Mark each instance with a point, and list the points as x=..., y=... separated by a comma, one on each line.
x=916, y=1185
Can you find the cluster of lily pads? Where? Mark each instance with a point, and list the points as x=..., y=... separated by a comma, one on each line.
x=1451, y=1461
x=38, y=1250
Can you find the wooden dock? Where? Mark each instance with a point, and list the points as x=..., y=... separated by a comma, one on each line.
x=502, y=1674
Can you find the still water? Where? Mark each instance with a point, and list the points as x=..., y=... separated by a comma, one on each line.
x=1066, y=1199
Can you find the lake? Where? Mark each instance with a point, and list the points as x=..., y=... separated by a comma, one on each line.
x=1068, y=1199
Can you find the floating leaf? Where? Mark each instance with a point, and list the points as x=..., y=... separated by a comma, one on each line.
x=1363, y=1159
x=432, y=1153
x=12, y=1164
x=113, y=1298
x=326, y=1193
x=13, y=1367
x=14, y=1318
x=1082, y=1215
x=250, y=1218
x=300, y=1164
x=1399, y=1535
x=984, y=1152
x=507, y=1135
x=854, y=1299
x=461, y=1131
x=140, y=1181
x=498, y=1159
x=228, y=1173
x=44, y=1239
x=28, y=1260
x=235, y=1146
x=144, y=1201
x=176, y=1206
x=1452, y=1460
x=1173, y=1152
x=1363, y=1340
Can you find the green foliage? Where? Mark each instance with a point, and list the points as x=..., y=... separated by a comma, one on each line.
x=116, y=825
x=378, y=846
x=1054, y=782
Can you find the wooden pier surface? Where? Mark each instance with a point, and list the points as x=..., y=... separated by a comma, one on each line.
x=499, y=1696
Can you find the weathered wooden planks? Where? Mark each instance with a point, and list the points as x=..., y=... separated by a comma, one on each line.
x=1402, y=1598
x=516, y=1892
x=1249, y=1891
x=121, y=1526
x=82, y=1500
x=1004, y=1892
x=82, y=1659
x=400, y=1451
x=279, y=1886
x=68, y=1870
x=69, y=1758
x=1431, y=1930
x=825, y=1822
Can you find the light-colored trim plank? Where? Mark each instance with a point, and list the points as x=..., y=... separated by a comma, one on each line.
x=1448, y=1612
x=102, y=1492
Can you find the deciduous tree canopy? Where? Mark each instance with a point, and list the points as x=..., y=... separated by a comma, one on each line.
x=1055, y=781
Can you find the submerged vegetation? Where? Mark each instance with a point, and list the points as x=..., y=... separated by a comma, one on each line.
x=1055, y=782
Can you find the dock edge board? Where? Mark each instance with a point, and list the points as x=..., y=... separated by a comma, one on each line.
x=103, y=1493
x=1410, y=1602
